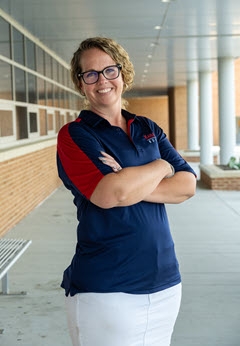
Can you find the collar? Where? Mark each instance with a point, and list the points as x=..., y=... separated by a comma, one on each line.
x=93, y=119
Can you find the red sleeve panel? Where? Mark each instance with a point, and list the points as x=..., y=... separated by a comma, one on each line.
x=76, y=163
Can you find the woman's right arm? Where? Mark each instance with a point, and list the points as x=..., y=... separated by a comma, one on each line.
x=130, y=185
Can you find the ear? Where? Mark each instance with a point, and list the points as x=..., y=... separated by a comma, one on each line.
x=80, y=88
x=82, y=92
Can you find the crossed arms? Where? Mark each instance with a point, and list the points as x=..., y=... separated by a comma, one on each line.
x=149, y=182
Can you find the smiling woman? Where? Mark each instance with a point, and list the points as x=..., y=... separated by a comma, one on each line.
x=121, y=170
x=101, y=82
x=119, y=58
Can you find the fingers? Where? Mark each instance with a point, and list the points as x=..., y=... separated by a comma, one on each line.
x=106, y=155
x=109, y=161
x=117, y=169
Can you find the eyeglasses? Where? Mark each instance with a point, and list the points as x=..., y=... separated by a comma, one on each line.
x=92, y=76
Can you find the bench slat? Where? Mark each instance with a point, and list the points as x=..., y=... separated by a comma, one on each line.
x=10, y=251
x=8, y=246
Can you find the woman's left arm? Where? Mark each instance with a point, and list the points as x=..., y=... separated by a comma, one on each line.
x=177, y=189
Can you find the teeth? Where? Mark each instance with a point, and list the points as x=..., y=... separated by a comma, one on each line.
x=103, y=91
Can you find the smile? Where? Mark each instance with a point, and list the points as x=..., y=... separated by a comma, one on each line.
x=104, y=91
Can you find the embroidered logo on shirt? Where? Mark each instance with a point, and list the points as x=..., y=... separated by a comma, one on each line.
x=150, y=138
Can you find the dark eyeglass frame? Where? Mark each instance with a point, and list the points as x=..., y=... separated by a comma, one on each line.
x=81, y=74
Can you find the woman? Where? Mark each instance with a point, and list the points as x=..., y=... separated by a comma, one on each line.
x=123, y=286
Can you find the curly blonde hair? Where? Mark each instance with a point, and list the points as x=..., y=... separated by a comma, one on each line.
x=115, y=51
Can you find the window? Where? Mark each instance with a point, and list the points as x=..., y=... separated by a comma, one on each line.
x=5, y=81
x=33, y=122
x=69, y=80
x=32, y=88
x=48, y=65
x=40, y=61
x=6, y=123
x=62, y=98
x=18, y=46
x=56, y=96
x=20, y=85
x=30, y=55
x=50, y=122
x=43, y=122
x=24, y=93
x=22, y=124
x=55, y=70
x=65, y=77
x=49, y=93
x=41, y=91
x=67, y=100
x=57, y=121
x=60, y=74
x=5, y=38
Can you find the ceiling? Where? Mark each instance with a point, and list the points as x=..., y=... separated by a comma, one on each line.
x=169, y=42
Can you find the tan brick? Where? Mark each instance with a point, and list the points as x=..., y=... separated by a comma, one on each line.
x=25, y=182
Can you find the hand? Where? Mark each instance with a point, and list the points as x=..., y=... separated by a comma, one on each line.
x=109, y=161
x=172, y=173
x=169, y=175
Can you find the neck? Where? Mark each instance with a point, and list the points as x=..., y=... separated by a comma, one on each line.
x=113, y=116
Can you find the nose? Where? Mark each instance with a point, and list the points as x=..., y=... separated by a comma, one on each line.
x=101, y=77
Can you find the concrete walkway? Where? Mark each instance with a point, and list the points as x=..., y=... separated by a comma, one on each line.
x=206, y=230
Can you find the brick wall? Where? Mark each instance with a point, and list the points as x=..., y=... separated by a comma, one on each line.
x=178, y=117
x=25, y=182
x=181, y=118
x=155, y=108
x=216, y=179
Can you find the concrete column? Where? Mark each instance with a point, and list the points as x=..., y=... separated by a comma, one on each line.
x=193, y=121
x=206, y=126
x=226, y=102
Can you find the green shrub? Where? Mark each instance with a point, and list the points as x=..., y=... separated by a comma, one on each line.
x=233, y=163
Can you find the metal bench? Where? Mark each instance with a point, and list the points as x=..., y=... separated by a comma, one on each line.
x=10, y=251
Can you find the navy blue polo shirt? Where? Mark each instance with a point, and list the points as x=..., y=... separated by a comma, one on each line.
x=121, y=249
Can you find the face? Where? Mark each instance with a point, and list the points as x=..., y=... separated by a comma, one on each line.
x=104, y=93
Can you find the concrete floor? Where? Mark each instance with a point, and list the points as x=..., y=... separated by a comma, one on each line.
x=206, y=230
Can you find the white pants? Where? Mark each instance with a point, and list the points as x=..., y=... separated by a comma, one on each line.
x=120, y=319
